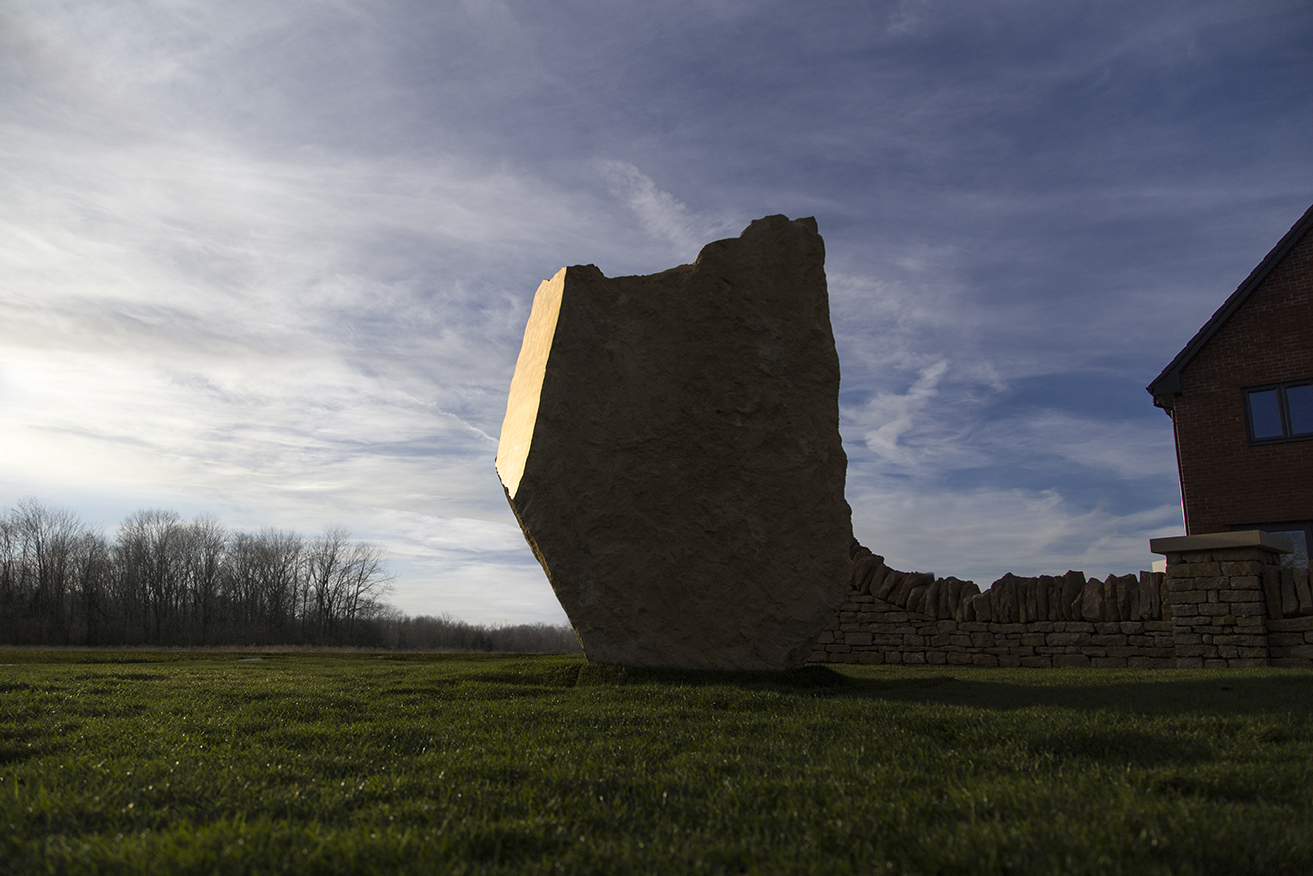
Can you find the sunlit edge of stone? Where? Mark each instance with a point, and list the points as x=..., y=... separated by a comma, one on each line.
x=526, y=385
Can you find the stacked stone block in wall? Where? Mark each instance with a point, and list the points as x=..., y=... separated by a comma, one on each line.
x=1218, y=606
x=1288, y=592
x=1289, y=616
x=915, y=618
x=1290, y=641
x=1233, y=605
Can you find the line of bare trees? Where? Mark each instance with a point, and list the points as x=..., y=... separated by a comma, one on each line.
x=162, y=580
x=445, y=633
x=166, y=581
x=193, y=583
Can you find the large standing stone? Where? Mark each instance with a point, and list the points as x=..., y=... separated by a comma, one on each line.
x=671, y=449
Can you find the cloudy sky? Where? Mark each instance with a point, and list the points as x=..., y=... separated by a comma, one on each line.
x=272, y=261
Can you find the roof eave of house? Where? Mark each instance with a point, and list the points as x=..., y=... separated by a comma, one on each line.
x=1168, y=383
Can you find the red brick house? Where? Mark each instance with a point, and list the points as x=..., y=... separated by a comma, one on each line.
x=1240, y=396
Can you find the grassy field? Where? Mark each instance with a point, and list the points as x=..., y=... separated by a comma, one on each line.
x=221, y=763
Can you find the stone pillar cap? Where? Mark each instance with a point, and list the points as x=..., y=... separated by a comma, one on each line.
x=1212, y=541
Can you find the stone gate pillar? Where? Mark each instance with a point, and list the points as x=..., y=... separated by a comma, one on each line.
x=1215, y=595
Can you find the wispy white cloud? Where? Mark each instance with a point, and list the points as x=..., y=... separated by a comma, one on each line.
x=274, y=260
x=477, y=570
x=981, y=534
x=907, y=17
x=292, y=340
x=892, y=415
x=1119, y=448
x=659, y=212
x=919, y=433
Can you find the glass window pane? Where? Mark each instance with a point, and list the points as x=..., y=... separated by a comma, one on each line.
x=1300, y=557
x=1264, y=414
x=1299, y=401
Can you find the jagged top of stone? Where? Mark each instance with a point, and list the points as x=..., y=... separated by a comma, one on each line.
x=530, y=368
x=757, y=230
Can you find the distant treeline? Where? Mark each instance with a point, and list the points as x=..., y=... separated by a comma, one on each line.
x=165, y=581
x=445, y=633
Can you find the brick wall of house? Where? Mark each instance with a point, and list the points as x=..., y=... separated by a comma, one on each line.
x=1269, y=339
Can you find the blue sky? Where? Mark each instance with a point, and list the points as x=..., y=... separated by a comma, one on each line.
x=273, y=260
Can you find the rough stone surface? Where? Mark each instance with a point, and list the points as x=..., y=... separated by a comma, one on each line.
x=671, y=449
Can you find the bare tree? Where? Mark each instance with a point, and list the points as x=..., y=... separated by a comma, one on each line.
x=241, y=581
x=366, y=581
x=346, y=581
x=94, y=581
x=279, y=569
x=46, y=540
x=149, y=551
x=11, y=575
x=204, y=543
x=325, y=558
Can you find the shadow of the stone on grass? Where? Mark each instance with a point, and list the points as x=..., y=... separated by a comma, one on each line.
x=810, y=679
x=1248, y=692
x=1252, y=693
x=1124, y=746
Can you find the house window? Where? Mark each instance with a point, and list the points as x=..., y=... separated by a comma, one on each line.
x=1283, y=412
x=1300, y=533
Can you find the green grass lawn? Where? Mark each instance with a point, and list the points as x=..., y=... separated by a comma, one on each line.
x=218, y=763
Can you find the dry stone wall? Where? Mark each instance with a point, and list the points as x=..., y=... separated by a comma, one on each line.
x=1225, y=601
x=1232, y=602
x=899, y=617
x=1287, y=593
x=1219, y=612
x=1290, y=616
